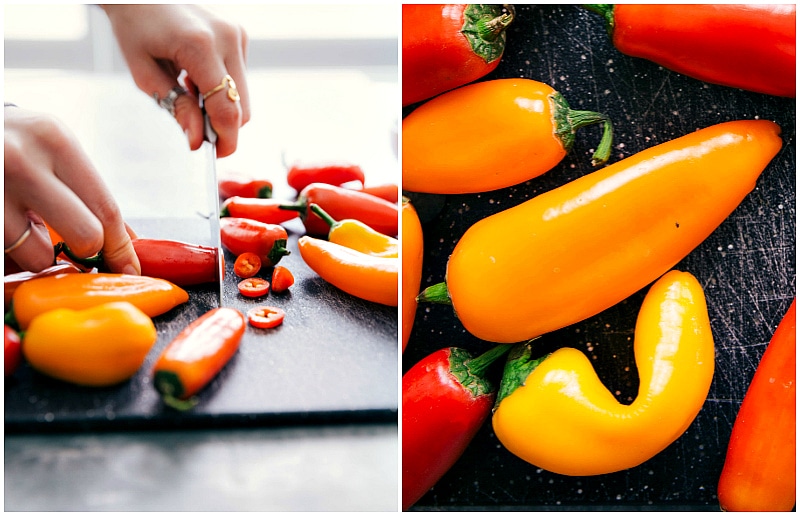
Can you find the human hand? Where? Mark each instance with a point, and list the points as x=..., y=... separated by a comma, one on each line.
x=48, y=177
x=160, y=41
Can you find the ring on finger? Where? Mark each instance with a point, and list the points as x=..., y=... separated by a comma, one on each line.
x=21, y=240
x=226, y=82
x=168, y=102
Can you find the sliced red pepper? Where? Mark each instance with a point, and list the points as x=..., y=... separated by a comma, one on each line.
x=344, y=203
x=446, y=399
x=300, y=175
x=181, y=263
x=282, y=279
x=265, y=316
x=268, y=211
x=247, y=265
x=13, y=350
x=242, y=187
x=241, y=235
x=196, y=355
x=253, y=287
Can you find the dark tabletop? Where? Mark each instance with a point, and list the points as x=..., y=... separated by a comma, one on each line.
x=747, y=268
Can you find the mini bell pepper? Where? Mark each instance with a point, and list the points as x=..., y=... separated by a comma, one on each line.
x=244, y=187
x=344, y=203
x=97, y=346
x=759, y=473
x=556, y=414
x=574, y=251
x=448, y=45
x=241, y=235
x=14, y=280
x=268, y=211
x=446, y=399
x=372, y=278
x=153, y=296
x=412, y=239
x=302, y=174
x=490, y=135
x=13, y=350
x=357, y=236
x=749, y=46
x=196, y=355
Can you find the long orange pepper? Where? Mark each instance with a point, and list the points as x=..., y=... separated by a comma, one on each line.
x=574, y=251
x=412, y=247
x=153, y=296
x=372, y=278
x=759, y=473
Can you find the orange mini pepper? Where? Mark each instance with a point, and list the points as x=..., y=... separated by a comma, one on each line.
x=412, y=265
x=572, y=252
x=97, y=346
x=372, y=278
x=78, y=291
x=491, y=135
x=197, y=354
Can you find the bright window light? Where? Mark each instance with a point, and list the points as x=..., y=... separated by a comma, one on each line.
x=53, y=22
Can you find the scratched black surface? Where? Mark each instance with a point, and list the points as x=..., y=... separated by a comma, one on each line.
x=333, y=360
x=747, y=268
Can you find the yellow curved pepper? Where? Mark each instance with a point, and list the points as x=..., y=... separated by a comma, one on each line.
x=560, y=417
x=358, y=236
x=99, y=346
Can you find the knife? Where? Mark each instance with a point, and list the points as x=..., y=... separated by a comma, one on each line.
x=212, y=191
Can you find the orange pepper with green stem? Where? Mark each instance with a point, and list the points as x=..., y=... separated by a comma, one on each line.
x=556, y=413
x=574, y=251
x=412, y=265
x=79, y=291
x=491, y=135
x=373, y=278
x=97, y=346
x=358, y=236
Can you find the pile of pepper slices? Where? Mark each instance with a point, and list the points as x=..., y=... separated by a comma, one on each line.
x=472, y=129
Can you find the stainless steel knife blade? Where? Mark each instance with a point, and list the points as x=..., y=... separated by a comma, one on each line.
x=212, y=192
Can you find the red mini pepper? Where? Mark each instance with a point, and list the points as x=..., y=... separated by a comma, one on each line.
x=300, y=175
x=241, y=235
x=197, y=354
x=181, y=263
x=738, y=45
x=446, y=399
x=344, y=203
x=268, y=211
x=244, y=187
x=759, y=473
x=448, y=45
x=13, y=350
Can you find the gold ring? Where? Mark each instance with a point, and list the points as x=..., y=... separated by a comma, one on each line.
x=21, y=240
x=227, y=82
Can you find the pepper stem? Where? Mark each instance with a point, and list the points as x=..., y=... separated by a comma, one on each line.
x=478, y=365
x=324, y=215
x=91, y=262
x=484, y=27
x=435, y=294
x=518, y=367
x=606, y=11
x=278, y=251
x=470, y=371
x=568, y=120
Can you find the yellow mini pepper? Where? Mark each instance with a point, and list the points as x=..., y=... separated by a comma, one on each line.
x=556, y=414
x=358, y=236
x=99, y=346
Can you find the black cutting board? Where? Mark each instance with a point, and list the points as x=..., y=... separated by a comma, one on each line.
x=334, y=359
x=747, y=268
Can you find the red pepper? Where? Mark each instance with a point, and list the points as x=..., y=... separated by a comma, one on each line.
x=446, y=399
x=14, y=280
x=265, y=317
x=282, y=279
x=300, y=175
x=742, y=46
x=268, y=241
x=344, y=203
x=389, y=191
x=759, y=472
x=197, y=354
x=448, y=45
x=241, y=187
x=268, y=211
x=13, y=350
x=253, y=287
x=178, y=262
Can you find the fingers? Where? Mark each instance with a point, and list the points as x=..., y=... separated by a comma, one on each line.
x=48, y=177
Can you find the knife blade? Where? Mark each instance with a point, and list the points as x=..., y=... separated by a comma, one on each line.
x=212, y=191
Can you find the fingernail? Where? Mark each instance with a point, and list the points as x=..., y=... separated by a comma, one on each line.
x=130, y=269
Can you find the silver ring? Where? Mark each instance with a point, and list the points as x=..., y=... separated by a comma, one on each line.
x=21, y=240
x=168, y=102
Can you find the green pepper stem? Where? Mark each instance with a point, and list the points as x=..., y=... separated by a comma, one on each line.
x=491, y=28
x=278, y=251
x=9, y=319
x=519, y=366
x=324, y=215
x=606, y=11
x=435, y=294
x=484, y=27
x=568, y=120
x=478, y=365
x=179, y=404
x=91, y=262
